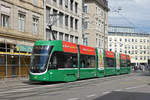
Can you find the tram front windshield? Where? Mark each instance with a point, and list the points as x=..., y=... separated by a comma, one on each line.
x=39, y=58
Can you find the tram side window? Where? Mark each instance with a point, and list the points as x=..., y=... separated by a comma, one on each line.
x=128, y=63
x=63, y=60
x=109, y=62
x=87, y=61
x=123, y=63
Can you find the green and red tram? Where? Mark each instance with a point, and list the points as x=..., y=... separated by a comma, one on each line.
x=65, y=61
x=124, y=64
x=109, y=63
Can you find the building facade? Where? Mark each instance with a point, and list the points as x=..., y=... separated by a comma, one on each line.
x=21, y=24
x=95, y=21
x=66, y=17
x=126, y=40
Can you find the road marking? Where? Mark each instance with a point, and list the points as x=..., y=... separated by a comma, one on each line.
x=118, y=90
x=73, y=99
x=25, y=89
x=92, y=95
x=135, y=87
x=107, y=92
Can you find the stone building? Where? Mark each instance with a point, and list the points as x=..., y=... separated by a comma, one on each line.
x=21, y=23
x=95, y=21
x=125, y=40
x=68, y=22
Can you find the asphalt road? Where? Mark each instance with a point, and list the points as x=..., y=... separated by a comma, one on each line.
x=134, y=86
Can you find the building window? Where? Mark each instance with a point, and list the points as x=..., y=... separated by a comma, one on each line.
x=71, y=4
x=76, y=7
x=66, y=3
x=85, y=25
x=35, y=25
x=34, y=2
x=55, y=34
x=135, y=46
x=71, y=38
x=48, y=14
x=76, y=24
x=129, y=52
x=76, y=40
x=99, y=42
x=60, y=36
x=121, y=44
x=128, y=46
x=140, y=52
x=125, y=51
x=66, y=37
x=120, y=39
x=132, y=52
x=136, y=58
x=66, y=20
x=110, y=44
x=55, y=1
x=61, y=19
x=147, y=41
x=128, y=40
x=85, y=40
x=71, y=22
x=21, y=22
x=55, y=13
x=4, y=20
x=144, y=57
x=61, y=2
x=85, y=9
x=125, y=47
x=120, y=51
x=141, y=58
x=110, y=39
x=135, y=51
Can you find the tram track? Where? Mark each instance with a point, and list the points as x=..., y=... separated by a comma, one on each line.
x=29, y=85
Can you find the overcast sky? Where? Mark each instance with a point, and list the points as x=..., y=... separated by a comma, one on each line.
x=135, y=13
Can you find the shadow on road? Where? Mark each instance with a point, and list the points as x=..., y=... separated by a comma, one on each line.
x=41, y=83
x=125, y=96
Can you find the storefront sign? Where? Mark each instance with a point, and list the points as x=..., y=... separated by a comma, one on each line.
x=24, y=48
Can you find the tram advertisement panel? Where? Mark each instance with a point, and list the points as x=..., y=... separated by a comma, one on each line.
x=118, y=61
x=87, y=50
x=69, y=47
x=100, y=59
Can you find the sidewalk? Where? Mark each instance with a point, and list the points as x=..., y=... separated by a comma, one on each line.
x=10, y=82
